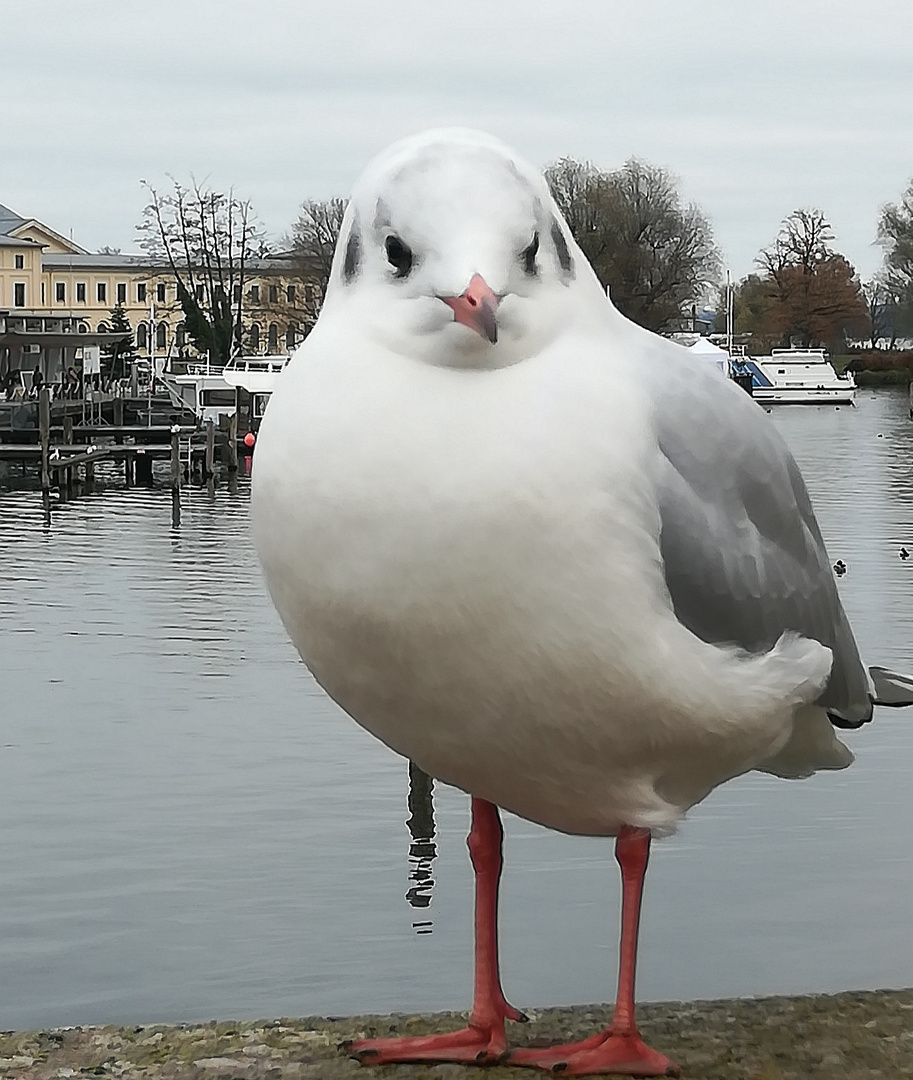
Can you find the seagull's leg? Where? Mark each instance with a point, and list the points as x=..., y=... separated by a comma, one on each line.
x=484, y=1040
x=618, y=1049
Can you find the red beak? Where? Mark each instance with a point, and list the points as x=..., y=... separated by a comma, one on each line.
x=476, y=308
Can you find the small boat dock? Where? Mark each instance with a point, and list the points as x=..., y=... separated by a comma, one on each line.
x=66, y=439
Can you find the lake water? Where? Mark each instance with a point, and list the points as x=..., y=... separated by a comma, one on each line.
x=189, y=829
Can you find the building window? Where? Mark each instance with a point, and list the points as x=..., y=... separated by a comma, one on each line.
x=80, y=292
x=236, y=294
x=291, y=334
x=255, y=294
x=20, y=262
x=160, y=293
x=101, y=292
x=274, y=294
x=102, y=328
x=273, y=338
x=255, y=338
x=141, y=335
x=180, y=335
x=310, y=293
x=42, y=294
x=290, y=293
x=200, y=293
x=161, y=335
x=19, y=294
x=141, y=292
x=60, y=292
x=121, y=292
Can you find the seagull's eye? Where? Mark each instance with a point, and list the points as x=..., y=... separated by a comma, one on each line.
x=398, y=255
x=529, y=255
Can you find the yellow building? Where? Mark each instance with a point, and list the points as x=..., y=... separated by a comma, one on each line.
x=46, y=276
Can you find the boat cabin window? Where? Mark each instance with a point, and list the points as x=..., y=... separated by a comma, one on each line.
x=217, y=397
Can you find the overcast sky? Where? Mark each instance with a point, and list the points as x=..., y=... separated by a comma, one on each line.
x=757, y=106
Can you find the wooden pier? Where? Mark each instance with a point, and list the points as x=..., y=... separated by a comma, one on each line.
x=67, y=449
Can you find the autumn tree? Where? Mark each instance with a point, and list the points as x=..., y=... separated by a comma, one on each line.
x=207, y=241
x=809, y=294
x=655, y=254
x=895, y=234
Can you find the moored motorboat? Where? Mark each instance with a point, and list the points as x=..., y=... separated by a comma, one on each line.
x=795, y=377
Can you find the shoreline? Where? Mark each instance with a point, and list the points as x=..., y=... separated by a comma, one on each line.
x=852, y=1035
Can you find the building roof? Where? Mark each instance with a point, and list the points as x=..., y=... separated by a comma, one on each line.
x=12, y=223
x=51, y=234
x=9, y=220
x=15, y=241
x=63, y=261
x=66, y=261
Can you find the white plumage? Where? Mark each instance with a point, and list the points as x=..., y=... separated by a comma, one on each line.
x=464, y=538
x=541, y=552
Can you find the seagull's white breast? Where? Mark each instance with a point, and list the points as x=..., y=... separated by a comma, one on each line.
x=468, y=563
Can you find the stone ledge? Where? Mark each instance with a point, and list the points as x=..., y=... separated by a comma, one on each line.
x=849, y=1036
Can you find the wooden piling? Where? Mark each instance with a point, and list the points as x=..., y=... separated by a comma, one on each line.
x=233, y=442
x=210, y=452
x=44, y=437
x=67, y=430
x=143, y=469
x=118, y=420
x=175, y=477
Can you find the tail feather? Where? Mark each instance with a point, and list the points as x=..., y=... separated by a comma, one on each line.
x=891, y=688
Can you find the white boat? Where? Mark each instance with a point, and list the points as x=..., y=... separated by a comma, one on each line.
x=202, y=389
x=257, y=375
x=210, y=391
x=794, y=377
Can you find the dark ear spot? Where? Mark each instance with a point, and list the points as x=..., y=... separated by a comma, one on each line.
x=561, y=249
x=352, y=261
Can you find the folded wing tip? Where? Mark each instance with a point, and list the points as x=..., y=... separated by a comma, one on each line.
x=891, y=688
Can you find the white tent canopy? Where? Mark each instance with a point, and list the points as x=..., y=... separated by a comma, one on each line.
x=704, y=349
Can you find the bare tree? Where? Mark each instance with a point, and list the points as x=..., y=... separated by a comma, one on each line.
x=314, y=237
x=656, y=256
x=883, y=302
x=803, y=240
x=207, y=240
x=895, y=234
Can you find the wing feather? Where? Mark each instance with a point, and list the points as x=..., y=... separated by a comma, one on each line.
x=744, y=557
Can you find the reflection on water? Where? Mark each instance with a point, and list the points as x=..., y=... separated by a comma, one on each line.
x=189, y=828
x=422, y=850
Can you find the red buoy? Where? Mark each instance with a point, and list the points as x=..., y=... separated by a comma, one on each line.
x=249, y=439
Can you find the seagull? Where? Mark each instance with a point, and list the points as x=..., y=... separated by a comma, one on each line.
x=539, y=551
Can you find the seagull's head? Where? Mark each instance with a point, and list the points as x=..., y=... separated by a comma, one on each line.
x=452, y=252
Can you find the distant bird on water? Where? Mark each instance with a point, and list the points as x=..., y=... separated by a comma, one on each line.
x=539, y=551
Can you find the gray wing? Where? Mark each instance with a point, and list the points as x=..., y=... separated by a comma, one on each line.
x=744, y=557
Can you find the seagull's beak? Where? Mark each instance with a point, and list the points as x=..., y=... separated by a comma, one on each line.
x=476, y=308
